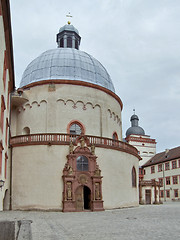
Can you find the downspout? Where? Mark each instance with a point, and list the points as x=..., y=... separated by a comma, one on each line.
x=10, y=190
x=164, y=183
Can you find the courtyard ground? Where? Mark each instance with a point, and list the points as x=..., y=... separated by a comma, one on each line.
x=148, y=222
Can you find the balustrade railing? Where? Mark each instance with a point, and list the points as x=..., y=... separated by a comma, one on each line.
x=67, y=138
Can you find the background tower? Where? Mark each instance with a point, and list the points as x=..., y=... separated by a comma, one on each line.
x=135, y=135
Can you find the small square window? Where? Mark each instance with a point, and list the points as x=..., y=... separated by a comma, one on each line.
x=168, y=193
x=174, y=164
x=175, y=180
x=161, y=193
x=161, y=182
x=176, y=193
x=160, y=168
x=167, y=166
x=168, y=181
x=152, y=169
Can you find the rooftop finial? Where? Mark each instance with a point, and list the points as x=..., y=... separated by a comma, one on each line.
x=69, y=16
x=134, y=111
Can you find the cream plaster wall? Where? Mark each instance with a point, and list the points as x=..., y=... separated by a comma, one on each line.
x=164, y=174
x=2, y=48
x=3, y=92
x=37, y=177
x=116, y=170
x=50, y=112
x=38, y=184
x=146, y=150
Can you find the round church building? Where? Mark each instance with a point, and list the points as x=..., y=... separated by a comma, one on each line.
x=66, y=135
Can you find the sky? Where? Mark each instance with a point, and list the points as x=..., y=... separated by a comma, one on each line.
x=137, y=41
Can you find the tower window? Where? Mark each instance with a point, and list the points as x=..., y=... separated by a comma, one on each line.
x=69, y=42
x=82, y=163
x=75, y=129
x=62, y=42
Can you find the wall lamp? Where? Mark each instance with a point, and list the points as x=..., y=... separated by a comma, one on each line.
x=1, y=183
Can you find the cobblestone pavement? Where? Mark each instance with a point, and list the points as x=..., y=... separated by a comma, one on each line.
x=148, y=222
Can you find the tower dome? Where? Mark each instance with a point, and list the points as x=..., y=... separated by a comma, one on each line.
x=68, y=27
x=67, y=62
x=135, y=129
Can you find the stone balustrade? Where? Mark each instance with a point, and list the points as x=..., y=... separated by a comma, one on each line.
x=65, y=139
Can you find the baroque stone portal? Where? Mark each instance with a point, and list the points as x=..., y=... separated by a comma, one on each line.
x=82, y=179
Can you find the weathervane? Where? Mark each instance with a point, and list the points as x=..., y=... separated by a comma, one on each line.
x=69, y=16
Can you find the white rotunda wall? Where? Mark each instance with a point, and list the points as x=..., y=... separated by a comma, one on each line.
x=50, y=111
x=38, y=184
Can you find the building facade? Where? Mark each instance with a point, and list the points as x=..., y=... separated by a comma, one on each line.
x=6, y=87
x=164, y=167
x=135, y=136
x=66, y=129
x=149, y=189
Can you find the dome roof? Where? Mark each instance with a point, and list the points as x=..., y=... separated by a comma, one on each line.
x=135, y=130
x=134, y=117
x=67, y=64
x=68, y=27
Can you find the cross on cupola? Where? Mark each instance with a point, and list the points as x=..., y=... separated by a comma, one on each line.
x=69, y=16
x=68, y=36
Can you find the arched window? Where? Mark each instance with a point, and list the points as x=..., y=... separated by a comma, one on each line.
x=69, y=42
x=115, y=136
x=62, y=42
x=75, y=129
x=133, y=177
x=26, y=131
x=82, y=163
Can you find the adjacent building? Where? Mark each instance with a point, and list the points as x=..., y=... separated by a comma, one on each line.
x=164, y=167
x=149, y=189
x=6, y=87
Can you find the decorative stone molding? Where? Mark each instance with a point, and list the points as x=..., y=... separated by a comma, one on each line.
x=82, y=189
x=77, y=83
x=114, y=116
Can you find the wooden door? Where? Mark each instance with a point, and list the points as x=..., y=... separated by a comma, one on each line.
x=79, y=199
x=148, y=196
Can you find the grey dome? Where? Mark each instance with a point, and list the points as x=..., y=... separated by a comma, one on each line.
x=67, y=64
x=135, y=130
x=134, y=117
x=69, y=27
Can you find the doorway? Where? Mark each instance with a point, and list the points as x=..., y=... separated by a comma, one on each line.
x=87, y=198
x=83, y=198
x=148, y=196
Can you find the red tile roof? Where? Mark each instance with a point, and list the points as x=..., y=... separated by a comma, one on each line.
x=165, y=156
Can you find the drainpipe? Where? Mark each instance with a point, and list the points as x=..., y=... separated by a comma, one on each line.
x=164, y=183
x=10, y=185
